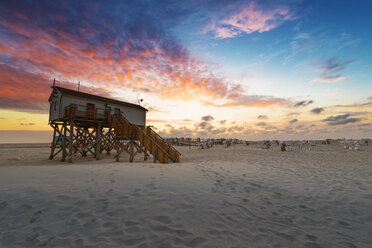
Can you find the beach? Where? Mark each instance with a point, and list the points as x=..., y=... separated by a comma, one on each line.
x=240, y=196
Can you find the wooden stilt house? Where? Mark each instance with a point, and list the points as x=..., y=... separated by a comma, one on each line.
x=84, y=123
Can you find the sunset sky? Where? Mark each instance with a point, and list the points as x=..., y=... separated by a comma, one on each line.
x=270, y=69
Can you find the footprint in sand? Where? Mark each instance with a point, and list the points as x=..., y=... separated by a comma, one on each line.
x=195, y=242
x=312, y=245
x=31, y=236
x=63, y=197
x=311, y=237
x=36, y=217
x=3, y=204
x=135, y=241
x=45, y=242
x=82, y=215
x=25, y=207
x=163, y=219
x=343, y=223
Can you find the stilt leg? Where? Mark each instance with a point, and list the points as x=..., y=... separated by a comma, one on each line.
x=71, y=141
x=53, y=142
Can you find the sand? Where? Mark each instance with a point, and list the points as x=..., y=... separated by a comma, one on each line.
x=220, y=197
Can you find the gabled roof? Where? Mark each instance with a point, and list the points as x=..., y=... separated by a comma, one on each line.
x=70, y=92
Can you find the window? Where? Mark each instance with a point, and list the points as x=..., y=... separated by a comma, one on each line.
x=116, y=110
x=90, y=105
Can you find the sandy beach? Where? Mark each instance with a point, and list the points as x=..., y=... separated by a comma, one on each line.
x=220, y=197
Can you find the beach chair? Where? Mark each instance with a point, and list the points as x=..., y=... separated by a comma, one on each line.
x=312, y=145
x=265, y=144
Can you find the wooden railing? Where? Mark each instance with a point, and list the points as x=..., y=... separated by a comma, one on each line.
x=80, y=111
x=157, y=146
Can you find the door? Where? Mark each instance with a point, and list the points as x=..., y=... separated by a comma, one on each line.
x=91, y=107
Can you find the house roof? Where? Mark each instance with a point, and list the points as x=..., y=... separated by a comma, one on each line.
x=70, y=92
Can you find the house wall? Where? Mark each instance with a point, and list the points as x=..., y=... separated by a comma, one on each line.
x=133, y=115
x=55, y=105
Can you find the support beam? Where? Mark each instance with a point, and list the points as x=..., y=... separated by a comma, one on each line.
x=98, y=141
x=53, y=142
x=64, y=148
x=71, y=142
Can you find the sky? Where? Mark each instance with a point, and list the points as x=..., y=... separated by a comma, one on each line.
x=263, y=69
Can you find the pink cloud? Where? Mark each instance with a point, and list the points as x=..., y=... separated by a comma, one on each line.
x=330, y=79
x=249, y=19
x=335, y=92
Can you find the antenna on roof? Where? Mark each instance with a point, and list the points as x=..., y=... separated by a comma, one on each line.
x=79, y=86
x=54, y=82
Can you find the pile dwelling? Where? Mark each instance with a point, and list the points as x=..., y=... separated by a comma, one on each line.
x=85, y=123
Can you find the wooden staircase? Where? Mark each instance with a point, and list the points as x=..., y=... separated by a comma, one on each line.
x=148, y=138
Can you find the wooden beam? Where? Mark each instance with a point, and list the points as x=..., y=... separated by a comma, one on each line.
x=53, y=142
x=71, y=141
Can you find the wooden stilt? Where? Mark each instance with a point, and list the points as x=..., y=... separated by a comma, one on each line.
x=117, y=149
x=131, y=150
x=98, y=142
x=71, y=142
x=145, y=153
x=64, y=148
x=53, y=142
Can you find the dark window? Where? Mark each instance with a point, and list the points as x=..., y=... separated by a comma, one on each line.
x=116, y=110
x=90, y=105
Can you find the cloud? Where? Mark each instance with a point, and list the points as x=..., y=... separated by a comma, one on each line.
x=262, y=117
x=156, y=121
x=223, y=122
x=317, y=110
x=331, y=71
x=329, y=79
x=335, y=92
x=235, y=129
x=293, y=113
x=207, y=118
x=123, y=45
x=261, y=124
x=27, y=124
x=25, y=91
x=332, y=65
x=303, y=103
x=249, y=19
x=205, y=126
x=293, y=121
x=340, y=120
x=357, y=105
